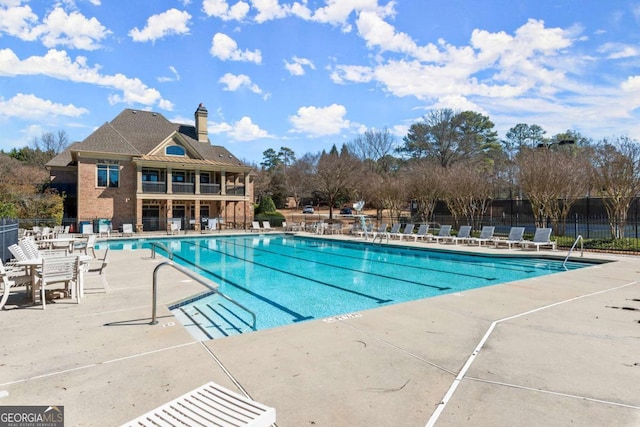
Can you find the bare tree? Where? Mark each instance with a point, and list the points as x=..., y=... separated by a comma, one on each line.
x=335, y=175
x=616, y=178
x=468, y=191
x=374, y=148
x=552, y=181
x=425, y=182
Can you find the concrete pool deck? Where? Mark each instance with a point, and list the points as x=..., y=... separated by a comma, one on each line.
x=556, y=350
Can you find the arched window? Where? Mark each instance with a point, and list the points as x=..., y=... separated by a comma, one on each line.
x=174, y=150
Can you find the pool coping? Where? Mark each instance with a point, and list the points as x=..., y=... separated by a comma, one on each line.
x=557, y=345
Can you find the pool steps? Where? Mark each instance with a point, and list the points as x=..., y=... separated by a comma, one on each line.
x=213, y=319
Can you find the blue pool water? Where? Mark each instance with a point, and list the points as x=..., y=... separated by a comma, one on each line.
x=286, y=279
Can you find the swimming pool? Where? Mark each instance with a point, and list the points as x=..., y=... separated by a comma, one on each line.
x=286, y=279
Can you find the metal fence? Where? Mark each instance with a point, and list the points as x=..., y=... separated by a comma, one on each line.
x=8, y=236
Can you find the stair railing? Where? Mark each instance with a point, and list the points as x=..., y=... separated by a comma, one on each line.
x=578, y=239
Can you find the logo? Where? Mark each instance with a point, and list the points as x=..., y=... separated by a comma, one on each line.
x=31, y=416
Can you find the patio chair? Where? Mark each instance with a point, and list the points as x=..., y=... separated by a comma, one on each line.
x=422, y=233
x=86, y=229
x=89, y=244
x=11, y=279
x=266, y=225
x=58, y=270
x=407, y=232
x=127, y=230
x=209, y=405
x=255, y=226
x=486, y=235
x=104, y=230
x=443, y=234
x=464, y=234
x=542, y=237
x=98, y=269
x=514, y=238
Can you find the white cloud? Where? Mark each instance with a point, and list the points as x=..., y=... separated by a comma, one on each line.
x=59, y=28
x=337, y=12
x=320, y=121
x=632, y=84
x=234, y=82
x=619, y=50
x=173, y=21
x=352, y=73
x=220, y=9
x=29, y=106
x=269, y=10
x=242, y=130
x=176, y=76
x=226, y=49
x=296, y=68
x=58, y=65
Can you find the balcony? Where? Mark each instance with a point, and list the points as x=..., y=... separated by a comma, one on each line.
x=209, y=188
x=235, y=190
x=154, y=187
x=183, y=188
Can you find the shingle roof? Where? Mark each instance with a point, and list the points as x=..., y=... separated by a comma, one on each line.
x=138, y=133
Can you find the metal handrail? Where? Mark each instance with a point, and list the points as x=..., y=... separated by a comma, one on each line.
x=153, y=250
x=581, y=239
x=198, y=279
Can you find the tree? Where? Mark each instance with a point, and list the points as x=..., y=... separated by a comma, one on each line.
x=374, y=148
x=425, y=184
x=523, y=135
x=468, y=191
x=616, y=178
x=450, y=137
x=552, y=180
x=334, y=175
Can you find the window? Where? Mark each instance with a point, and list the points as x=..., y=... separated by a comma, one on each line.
x=151, y=175
x=178, y=176
x=174, y=150
x=108, y=174
x=205, y=178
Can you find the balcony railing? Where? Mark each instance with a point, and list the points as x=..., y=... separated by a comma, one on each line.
x=235, y=190
x=209, y=188
x=183, y=188
x=154, y=187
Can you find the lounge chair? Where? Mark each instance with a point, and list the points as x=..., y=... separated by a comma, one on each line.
x=422, y=233
x=266, y=226
x=464, y=234
x=542, y=237
x=255, y=226
x=104, y=230
x=86, y=229
x=174, y=227
x=407, y=232
x=8, y=281
x=395, y=229
x=209, y=405
x=127, y=230
x=486, y=235
x=514, y=238
x=443, y=234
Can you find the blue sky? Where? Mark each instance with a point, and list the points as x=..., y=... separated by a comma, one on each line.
x=308, y=74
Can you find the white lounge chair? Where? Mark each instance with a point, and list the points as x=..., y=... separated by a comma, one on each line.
x=127, y=230
x=443, y=234
x=86, y=229
x=209, y=405
x=514, y=238
x=104, y=230
x=486, y=235
x=542, y=237
x=422, y=232
x=407, y=232
x=255, y=226
x=395, y=229
x=266, y=225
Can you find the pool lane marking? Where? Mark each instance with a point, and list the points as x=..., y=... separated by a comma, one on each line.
x=463, y=372
x=300, y=276
x=383, y=276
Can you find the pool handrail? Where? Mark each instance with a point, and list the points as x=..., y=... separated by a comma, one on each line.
x=198, y=279
x=578, y=239
x=153, y=250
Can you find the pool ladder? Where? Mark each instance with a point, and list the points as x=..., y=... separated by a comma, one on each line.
x=578, y=239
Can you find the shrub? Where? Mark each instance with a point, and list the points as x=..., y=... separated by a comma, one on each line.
x=275, y=218
x=266, y=205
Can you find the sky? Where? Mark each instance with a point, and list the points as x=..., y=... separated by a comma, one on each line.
x=309, y=74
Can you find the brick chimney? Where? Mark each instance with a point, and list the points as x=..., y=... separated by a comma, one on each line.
x=201, y=115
